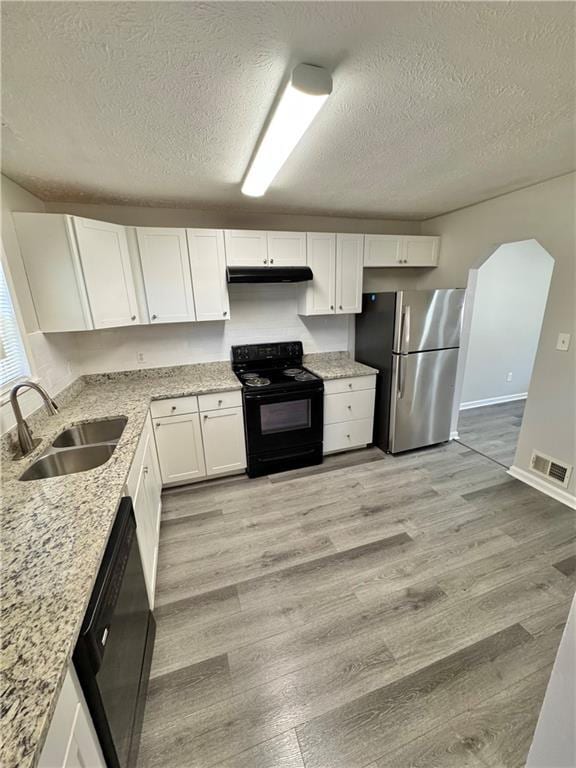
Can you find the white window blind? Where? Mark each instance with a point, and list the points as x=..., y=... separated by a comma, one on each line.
x=13, y=361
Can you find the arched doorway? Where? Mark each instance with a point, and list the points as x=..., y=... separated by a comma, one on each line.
x=506, y=300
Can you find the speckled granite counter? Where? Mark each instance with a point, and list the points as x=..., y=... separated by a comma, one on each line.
x=54, y=533
x=336, y=365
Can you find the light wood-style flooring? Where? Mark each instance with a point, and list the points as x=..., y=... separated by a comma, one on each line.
x=492, y=430
x=373, y=612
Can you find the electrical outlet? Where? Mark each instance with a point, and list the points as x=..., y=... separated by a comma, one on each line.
x=563, y=342
x=140, y=357
x=509, y=376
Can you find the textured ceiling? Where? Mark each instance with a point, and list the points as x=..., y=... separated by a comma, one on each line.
x=435, y=105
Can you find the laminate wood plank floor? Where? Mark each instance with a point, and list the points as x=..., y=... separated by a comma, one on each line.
x=492, y=430
x=373, y=612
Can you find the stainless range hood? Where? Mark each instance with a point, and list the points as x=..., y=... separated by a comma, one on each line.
x=268, y=274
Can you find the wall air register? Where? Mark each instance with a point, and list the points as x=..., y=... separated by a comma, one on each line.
x=268, y=274
x=551, y=468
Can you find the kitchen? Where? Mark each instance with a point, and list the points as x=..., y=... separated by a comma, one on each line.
x=230, y=453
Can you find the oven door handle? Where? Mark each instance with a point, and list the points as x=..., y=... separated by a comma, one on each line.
x=285, y=396
x=296, y=455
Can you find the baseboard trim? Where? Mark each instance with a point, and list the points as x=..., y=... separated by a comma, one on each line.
x=454, y=435
x=493, y=401
x=541, y=485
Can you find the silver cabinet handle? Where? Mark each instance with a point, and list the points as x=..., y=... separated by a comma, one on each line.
x=173, y=408
x=154, y=317
x=133, y=318
x=340, y=307
x=265, y=261
x=145, y=470
x=349, y=407
x=224, y=313
x=220, y=402
x=331, y=306
x=157, y=424
x=348, y=436
x=349, y=386
x=271, y=261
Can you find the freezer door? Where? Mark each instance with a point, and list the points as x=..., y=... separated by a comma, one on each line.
x=421, y=398
x=428, y=320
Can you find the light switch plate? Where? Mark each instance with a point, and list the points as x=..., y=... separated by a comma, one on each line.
x=563, y=342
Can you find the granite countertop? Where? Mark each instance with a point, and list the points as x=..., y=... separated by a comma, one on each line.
x=54, y=533
x=336, y=365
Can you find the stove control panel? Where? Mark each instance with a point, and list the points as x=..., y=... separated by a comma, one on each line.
x=253, y=353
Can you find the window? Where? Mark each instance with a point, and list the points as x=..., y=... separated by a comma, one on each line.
x=13, y=360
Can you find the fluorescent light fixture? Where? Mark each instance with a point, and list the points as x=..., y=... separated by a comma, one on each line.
x=303, y=97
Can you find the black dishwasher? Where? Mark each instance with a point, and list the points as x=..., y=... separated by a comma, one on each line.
x=114, y=651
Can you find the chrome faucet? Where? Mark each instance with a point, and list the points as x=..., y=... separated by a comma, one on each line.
x=27, y=443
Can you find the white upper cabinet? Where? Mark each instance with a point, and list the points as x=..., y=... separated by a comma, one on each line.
x=252, y=248
x=208, y=264
x=319, y=295
x=421, y=251
x=349, y=265
x=166, y=272
x=382, y=250
x=287, y=249
x=246, y=248
x=336, y=264
x=50, y=255
x=400, y=251
x=107, y=272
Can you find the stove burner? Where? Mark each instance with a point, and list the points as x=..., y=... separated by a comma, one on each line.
x=248, y=376
x=257, y=382
x=305, y=376
x=292, y=371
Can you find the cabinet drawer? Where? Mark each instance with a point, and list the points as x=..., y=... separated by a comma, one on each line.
x=219, y=400
x=175, y=406
x=351, y=384
x=349, y=434
x=349, y=406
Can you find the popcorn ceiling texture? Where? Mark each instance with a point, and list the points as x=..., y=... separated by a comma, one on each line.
x=435, y=105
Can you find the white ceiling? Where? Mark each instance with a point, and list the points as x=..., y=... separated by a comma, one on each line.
x=435, y=105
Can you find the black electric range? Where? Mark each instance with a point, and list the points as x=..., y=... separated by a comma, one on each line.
x=283, y=407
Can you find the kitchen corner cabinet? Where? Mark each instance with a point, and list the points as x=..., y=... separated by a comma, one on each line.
x=145, y=487
x=166, y=273
x=208, y=265
x=252, y=248
x=336, y=262
x=71, y=741
x=401, y=251
x=78, y=270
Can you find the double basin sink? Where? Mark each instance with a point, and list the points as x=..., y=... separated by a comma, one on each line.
x=78, y=449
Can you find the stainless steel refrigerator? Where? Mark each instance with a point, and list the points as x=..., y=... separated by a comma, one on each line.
x=413, y=339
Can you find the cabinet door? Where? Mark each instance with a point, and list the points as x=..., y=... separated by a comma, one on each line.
x=208, y=263
x=107, y=271
x=287, y=249
x=224, y=444
x=166, y=270
x=145, y=532
x=319, y=297
x=349, y=264
x=180, y=452
x=420, y=251
x=246, y=248
x=382, y=250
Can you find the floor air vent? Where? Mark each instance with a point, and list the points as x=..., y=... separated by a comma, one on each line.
x=551, y=468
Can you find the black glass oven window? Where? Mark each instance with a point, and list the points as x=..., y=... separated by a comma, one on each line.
x=284, y=417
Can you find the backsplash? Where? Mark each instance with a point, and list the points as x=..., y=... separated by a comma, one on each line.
x=258, y=313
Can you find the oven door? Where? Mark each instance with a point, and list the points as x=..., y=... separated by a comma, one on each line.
x=283, y=420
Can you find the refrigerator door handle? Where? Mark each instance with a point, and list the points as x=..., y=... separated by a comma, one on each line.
x=407, y=326
x=400, y=377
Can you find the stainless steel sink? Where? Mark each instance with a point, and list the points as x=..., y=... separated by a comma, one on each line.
x=102, y=431
x=68, y=462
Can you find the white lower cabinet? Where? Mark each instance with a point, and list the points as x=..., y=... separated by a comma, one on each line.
x=224, y=444
x=180, y=451
x=199, y=437
x=348, y=413
x=144, y=486
x=71, y=741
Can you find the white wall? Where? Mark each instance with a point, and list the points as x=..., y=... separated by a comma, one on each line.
x=509, y=303
x=547, y=213
x=49, y=358
x=257, y=313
